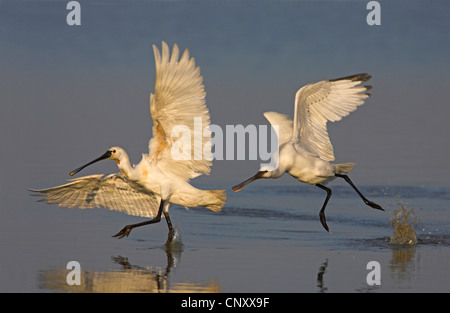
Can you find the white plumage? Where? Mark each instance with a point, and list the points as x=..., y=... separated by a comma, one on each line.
x=305, y=150
x=148, y=188
x=179, y=99
x=113, y=191
x=316, y=104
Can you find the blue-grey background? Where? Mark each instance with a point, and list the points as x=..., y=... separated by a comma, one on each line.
x=70, y=92
x=67, y=93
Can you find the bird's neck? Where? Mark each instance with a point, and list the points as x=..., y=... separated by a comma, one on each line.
x=276, y=173
x=125, y=166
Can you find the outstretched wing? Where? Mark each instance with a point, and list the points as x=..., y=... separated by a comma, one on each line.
x=284, y=124
x=180, y=144
x=328, y=100
x=114, y=192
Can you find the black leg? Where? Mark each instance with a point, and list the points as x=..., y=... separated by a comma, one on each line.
x=169, y=224
x=127, y=229
x=369, y=203
x=322, y=211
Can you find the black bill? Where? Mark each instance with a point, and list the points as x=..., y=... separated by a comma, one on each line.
x=104, y=156
x=248, y=181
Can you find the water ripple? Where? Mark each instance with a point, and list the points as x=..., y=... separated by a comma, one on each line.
x=403, y=191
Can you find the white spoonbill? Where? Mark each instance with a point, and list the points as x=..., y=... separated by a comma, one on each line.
x=148, y=188
x=305, y=150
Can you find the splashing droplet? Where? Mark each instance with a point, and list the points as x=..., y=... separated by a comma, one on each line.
x=403, y=224
x=176, y=240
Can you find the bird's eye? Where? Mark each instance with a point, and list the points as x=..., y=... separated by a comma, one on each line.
x=114, y=151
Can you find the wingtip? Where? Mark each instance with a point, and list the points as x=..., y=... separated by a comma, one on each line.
x=362, y=77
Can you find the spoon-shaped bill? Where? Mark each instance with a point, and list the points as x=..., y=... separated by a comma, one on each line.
x=248, y=181
x=106, y=155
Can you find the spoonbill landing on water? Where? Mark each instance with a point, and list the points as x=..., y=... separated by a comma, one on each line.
x=304, y=148
x=148, y=188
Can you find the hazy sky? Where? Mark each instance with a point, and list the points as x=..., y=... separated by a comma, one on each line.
x=68, y=93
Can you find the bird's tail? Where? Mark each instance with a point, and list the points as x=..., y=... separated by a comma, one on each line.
x=213, y=200
x=344, y=168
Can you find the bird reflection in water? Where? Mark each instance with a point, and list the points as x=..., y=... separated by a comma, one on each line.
x=129, y=279
x=320, y=274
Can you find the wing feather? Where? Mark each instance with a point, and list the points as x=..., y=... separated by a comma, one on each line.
x=114, y=192
x=179, y=99
x=284, y=124
x=329, y=100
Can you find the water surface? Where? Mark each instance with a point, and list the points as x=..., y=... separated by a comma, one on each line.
x=266, y=239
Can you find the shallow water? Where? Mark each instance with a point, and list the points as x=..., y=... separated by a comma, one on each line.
x=268, y=238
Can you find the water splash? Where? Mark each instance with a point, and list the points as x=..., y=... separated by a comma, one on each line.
x=177, y=242
x=403, y=223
